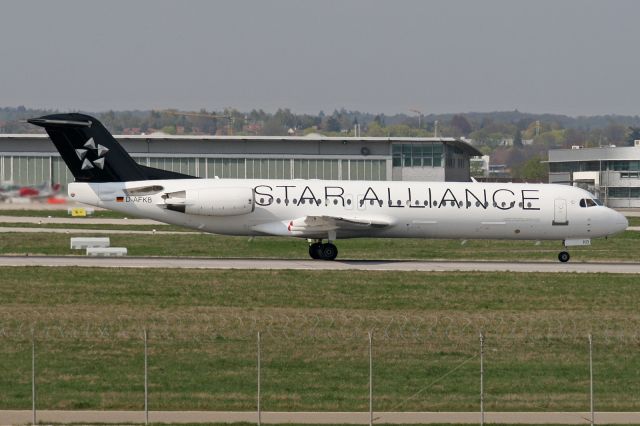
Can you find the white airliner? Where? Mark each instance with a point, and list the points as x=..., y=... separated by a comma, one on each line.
x=318, y=210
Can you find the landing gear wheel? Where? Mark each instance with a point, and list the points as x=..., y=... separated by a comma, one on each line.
x=564, y=257
x=329, y=251
x=315, y=250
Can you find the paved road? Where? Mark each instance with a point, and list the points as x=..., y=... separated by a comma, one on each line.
x=51, y=416
x=278, y=264
x=20, y=229
x=78, y=220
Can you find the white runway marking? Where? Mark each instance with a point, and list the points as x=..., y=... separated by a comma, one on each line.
x=315, y=265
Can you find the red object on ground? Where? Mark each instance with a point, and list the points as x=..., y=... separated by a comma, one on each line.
x=28, y=192
x=56, y=200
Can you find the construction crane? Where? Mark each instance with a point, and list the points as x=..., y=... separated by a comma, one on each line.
x=201, y=114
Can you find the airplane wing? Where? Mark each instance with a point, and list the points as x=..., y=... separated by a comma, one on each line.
x=319, y=226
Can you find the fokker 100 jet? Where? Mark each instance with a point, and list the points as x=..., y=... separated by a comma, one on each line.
x=323, y=211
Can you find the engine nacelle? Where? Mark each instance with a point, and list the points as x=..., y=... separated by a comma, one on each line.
x=212, y=202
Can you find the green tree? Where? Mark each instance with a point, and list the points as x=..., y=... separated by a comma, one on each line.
x=533, y=170
x=517, y=139
x=332, y=124
x=170, y=130
x=574, y=137
x=374, y=129
x=461, y=124
x=634, y=134
x=615, y=133
x=379, y=119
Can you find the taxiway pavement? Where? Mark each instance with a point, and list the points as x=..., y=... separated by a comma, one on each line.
x=60, y=416
x=21, y=229
x=78, y=220
x=317, y=265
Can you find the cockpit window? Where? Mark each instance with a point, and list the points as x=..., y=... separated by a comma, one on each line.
x=588, y=202
x=598, y=202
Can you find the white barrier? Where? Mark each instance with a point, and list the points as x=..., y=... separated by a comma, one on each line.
x=86, y=242
x=106, y=251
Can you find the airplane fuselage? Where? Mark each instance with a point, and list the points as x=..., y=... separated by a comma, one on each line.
x=467, y=210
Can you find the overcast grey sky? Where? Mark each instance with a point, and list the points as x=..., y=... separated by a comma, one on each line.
x=575, y=57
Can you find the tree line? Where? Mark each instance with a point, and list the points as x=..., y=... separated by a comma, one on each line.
x=519, y=140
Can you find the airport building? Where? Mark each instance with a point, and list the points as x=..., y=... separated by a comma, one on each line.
x=30, y=159
x=611, y=173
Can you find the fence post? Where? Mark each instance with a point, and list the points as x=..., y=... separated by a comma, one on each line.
x=481, y=379
x=146, y=381
x=370, y=378
x=259, y=374
x=591, y=378
x=33, y=376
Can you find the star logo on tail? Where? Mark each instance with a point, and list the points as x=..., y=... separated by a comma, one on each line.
x=99, y=151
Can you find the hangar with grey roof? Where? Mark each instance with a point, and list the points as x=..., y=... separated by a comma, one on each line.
x=30, y=159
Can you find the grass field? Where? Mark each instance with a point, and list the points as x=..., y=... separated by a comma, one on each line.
x=617, y=248
x=202, y=339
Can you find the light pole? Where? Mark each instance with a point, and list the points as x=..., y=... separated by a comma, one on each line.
x=419, y=114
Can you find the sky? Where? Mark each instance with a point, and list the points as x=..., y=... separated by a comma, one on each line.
x=574, y=57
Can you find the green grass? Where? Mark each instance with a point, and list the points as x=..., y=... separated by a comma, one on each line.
x=203, y=324
x=634, y=221
x=619, y=248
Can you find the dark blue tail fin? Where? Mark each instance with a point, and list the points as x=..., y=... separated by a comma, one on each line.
x=91, y=152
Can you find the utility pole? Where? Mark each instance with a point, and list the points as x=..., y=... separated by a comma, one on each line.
x=33, y=376
x=481, y=379
x=370, y=379
x=146, y=381
x=591, y=377
x=259, y=373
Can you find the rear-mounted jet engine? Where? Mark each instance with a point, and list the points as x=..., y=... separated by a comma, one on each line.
x=211, y=202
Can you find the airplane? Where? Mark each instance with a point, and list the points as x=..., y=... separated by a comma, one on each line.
x=323, y=211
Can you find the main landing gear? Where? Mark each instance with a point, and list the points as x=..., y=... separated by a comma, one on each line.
x=327, y=251
x=564, y=257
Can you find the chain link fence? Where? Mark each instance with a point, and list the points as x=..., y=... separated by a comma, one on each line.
x=317, y=362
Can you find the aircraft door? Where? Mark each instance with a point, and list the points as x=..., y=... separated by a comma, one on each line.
x=560, y=212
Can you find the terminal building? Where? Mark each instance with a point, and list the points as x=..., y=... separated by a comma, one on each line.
x=611, y=173
x=30, y=159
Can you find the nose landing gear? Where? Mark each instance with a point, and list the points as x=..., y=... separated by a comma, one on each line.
x=564, y=257
x=327, y=251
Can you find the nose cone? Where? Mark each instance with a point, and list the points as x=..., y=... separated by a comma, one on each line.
x=618, y=222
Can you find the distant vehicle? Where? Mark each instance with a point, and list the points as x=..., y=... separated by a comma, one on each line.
x=106, y=176
x=43, y=191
